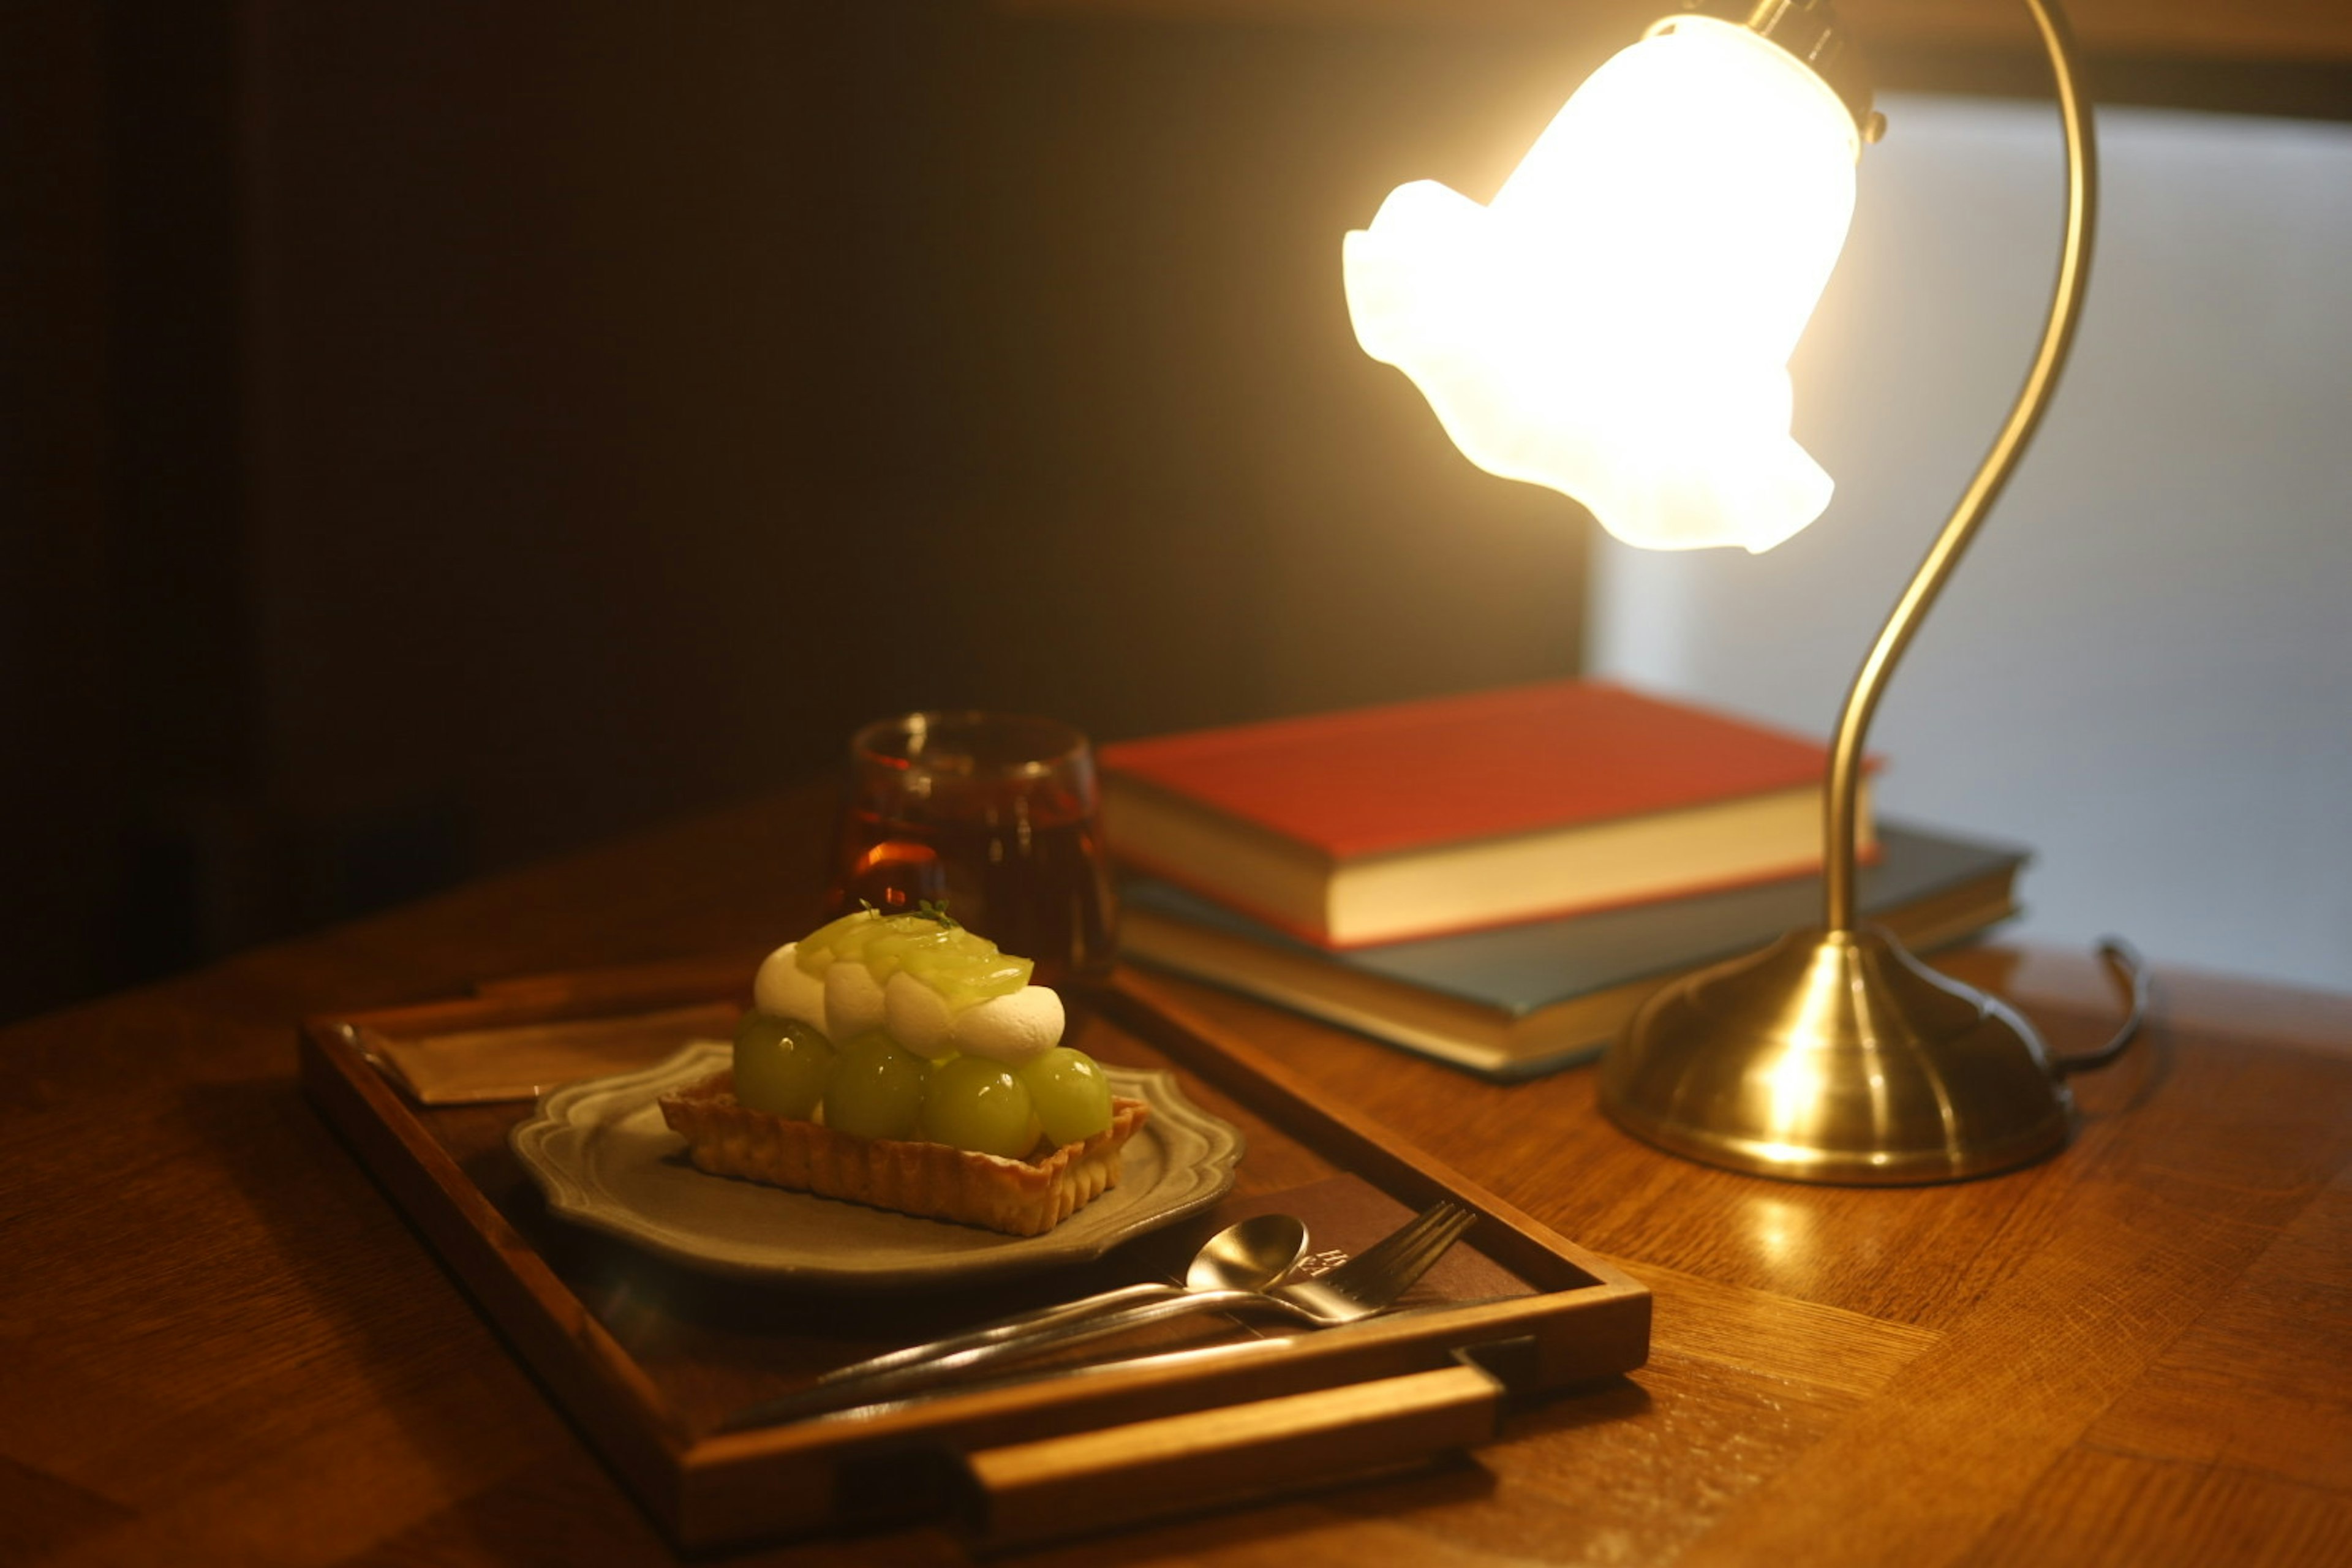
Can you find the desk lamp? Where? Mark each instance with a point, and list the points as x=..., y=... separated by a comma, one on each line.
x=1616, y=325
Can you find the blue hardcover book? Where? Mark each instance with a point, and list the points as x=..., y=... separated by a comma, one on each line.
x=1518, y=1001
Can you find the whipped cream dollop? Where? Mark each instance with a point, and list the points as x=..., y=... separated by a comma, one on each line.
x=782, y=989
x=847, y=1001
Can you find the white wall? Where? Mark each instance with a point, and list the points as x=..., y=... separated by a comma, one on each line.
x=2143, y=670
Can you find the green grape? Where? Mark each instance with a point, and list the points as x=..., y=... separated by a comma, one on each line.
x=876, y=1087
x=968, y=972
x=957, y=946
x=816, y=950
x=780, y=1065
x=976, y=1104
x=876, y=941
x=1072, y=1097
x=903, y=937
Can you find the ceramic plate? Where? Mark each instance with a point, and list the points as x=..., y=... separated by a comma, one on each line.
x=604, y=1158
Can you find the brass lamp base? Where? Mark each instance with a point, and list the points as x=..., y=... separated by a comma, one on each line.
x=1836, y=1057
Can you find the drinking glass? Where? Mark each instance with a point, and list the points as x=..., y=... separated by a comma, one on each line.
x=996, y=816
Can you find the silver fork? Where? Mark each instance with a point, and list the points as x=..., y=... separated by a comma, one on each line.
x=1250, y=1248
x=1368, y=1283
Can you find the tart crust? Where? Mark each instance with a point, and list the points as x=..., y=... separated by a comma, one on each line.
x=1020, y=1197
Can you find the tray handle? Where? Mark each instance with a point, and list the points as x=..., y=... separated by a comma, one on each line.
x=1184, y=1464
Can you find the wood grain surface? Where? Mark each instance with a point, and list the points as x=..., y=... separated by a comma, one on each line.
x=222, y=1344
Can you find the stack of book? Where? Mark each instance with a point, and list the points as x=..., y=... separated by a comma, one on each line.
x=1500, y=880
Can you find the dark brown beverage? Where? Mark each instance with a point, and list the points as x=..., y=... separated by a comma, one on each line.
x=993, y=815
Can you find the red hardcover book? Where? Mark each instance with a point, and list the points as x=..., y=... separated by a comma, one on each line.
x=1415, y=818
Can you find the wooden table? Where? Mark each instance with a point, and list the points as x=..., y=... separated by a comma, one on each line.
x=225, y=1345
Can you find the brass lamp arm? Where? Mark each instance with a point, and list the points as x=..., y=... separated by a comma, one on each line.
x=1833, y=1055
x=1845, y=769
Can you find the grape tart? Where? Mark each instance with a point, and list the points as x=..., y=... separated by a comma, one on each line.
x=903, y=1062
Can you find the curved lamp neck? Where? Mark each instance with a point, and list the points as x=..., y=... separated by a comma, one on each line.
x=1845, y=768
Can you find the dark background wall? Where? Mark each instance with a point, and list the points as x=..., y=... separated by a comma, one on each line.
x=435, y=434
x=438, y=435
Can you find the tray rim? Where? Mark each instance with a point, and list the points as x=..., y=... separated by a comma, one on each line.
x=731, y=1487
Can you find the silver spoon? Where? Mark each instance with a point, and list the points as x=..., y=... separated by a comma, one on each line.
x=1248, y=1255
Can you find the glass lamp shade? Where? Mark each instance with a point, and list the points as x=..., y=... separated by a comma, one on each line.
x=1617, y=323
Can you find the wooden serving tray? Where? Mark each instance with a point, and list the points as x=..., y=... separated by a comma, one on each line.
x=651, y=1359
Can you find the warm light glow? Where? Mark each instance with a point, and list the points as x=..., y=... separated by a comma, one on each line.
x=1617, y=323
